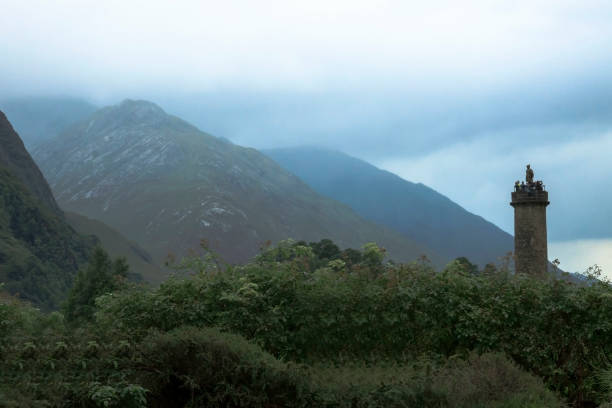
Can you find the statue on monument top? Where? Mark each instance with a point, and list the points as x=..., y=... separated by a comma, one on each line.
x=529, y=175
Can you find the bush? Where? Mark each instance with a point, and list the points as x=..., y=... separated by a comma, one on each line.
x=557, y=330
x=491, y=381
x=381, y=384
x=338, y=314
x=202, y=367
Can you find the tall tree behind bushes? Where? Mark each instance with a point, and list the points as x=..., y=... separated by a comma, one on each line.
x=102, y=275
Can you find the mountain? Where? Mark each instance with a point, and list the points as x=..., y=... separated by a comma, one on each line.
x=413, y=209
x=40, y=119
x=166, y=185
x=140, y=261
x=39, y=252
x=16, y=159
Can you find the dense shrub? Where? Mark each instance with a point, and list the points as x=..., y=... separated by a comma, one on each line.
x=489, y=380
x=203, y=367
x=555, y=329
x=361, y=330
x=206, y=368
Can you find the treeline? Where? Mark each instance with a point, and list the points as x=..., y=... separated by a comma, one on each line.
x=306, y=324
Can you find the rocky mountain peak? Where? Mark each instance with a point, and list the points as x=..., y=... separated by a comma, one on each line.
x=141, y=108
x=167, y=187
x=133, y=115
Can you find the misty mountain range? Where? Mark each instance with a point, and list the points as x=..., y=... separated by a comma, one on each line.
x=413, y=209
x=165, y=185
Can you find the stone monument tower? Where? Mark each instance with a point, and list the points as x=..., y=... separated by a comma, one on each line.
x=529, y=200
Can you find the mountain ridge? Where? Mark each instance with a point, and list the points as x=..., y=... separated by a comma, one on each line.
x=166, y=185
x=413, y=209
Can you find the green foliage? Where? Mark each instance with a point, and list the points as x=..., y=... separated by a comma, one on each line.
x=464, y=266
x=325, y=249
x=557, y=330
x=491, y=381
x=373, y=255
x=39, y=253
x=368, y=335
x=480, y=381
x=99, y=277
x=206, y=368
x=605, y=382
x=314, y=255
x=45, y=363
x=125, y=396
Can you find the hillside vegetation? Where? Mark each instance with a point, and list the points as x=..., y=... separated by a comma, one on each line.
x=40, y=253
x=306, y=324
x=15, y=158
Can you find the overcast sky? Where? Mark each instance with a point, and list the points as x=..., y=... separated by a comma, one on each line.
x=457, y=95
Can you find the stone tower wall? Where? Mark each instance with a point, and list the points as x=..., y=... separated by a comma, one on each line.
x=530, y=240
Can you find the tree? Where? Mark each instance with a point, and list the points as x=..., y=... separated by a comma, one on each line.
x=351, y=256
x=373, y=255
x=101, y=276
x=325, y=249
x=466, y=266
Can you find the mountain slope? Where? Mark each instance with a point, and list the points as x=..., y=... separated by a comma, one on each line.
x=39, y=252
x=140, y=261
x=415, y=210
x=15, y=158
x=166, y=185
x=40, y=119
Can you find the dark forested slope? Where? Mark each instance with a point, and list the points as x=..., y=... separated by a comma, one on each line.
x=15, y=158
x=39, y=252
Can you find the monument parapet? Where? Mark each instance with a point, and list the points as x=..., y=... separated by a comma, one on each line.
x=529, y=197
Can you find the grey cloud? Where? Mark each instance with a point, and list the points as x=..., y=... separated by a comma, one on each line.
x=391, y=122
x=407, y=85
